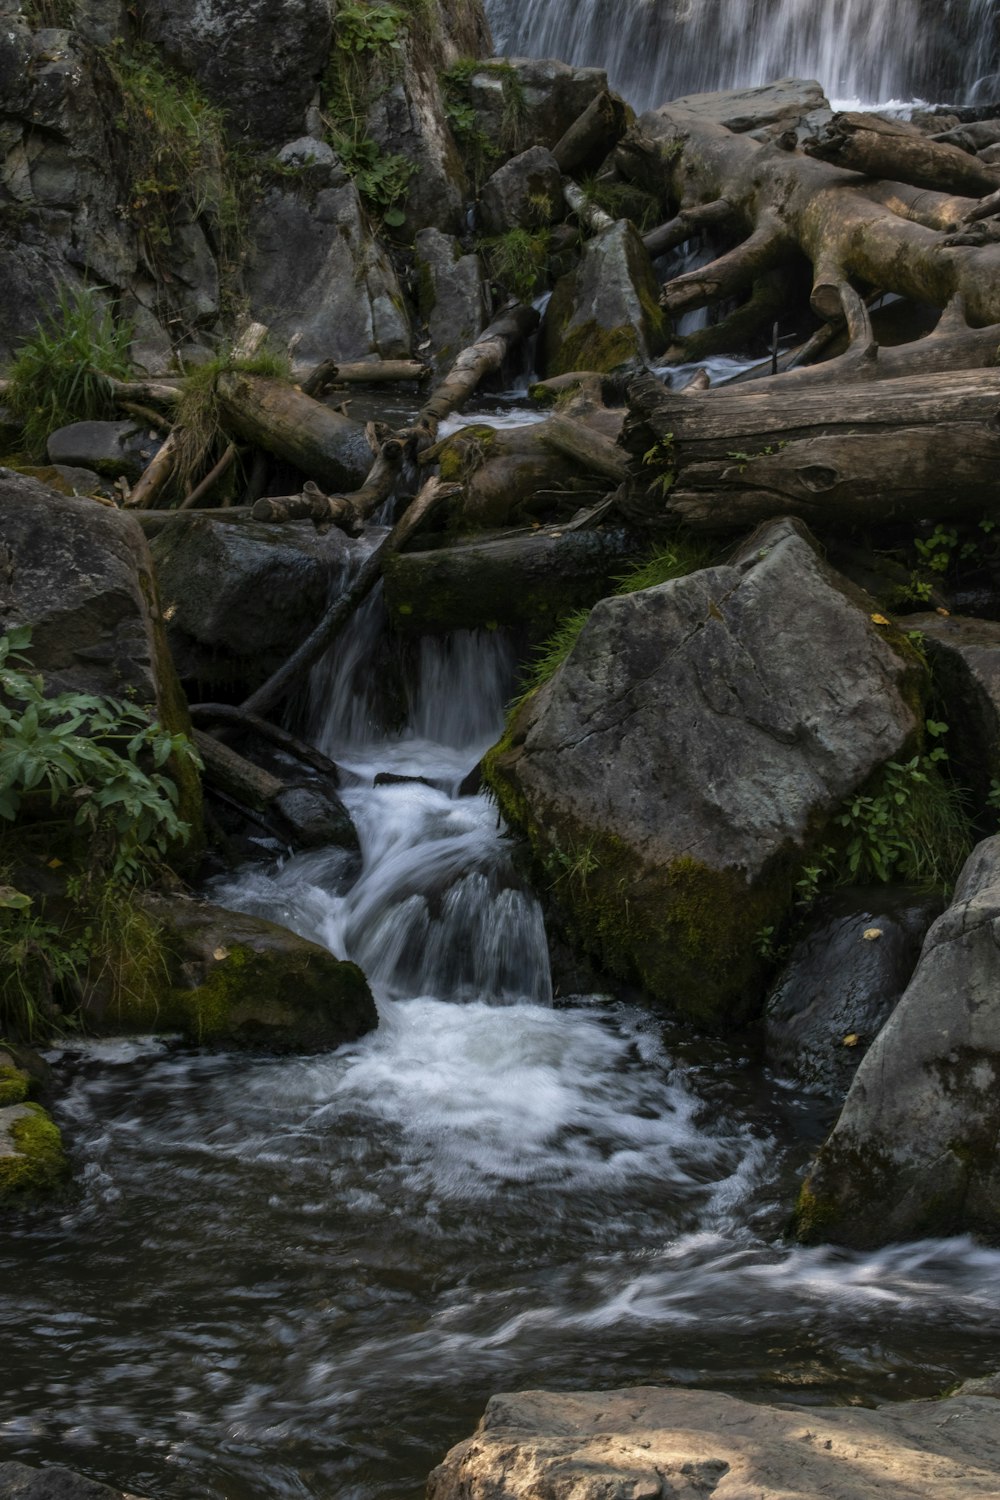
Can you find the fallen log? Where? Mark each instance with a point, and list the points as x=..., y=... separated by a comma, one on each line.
x=231, y=717
x=586, y=447
x=898, y=151
x=308, y=813
x=348, y=511
x=487, y=353
x=906, y=449
x=590, y=214
x=274, y=415
x=156, y=473
x=368, y=372
x=432, y=494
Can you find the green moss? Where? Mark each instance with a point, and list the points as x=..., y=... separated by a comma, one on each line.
x=37, y=1163
x=464, y=452
x=14, y=1085
x=589, y=346
x=813, y=1216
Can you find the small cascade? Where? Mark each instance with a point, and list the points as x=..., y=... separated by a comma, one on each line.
x=859, y=50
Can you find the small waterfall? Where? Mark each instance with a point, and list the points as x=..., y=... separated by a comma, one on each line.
x=655, y=50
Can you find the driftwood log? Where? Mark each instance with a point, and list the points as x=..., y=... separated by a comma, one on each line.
x=592, y=135
x=904, y=449
x=275, y=415
x=895, y=150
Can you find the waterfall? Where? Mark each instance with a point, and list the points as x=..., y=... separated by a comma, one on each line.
x=655, y=50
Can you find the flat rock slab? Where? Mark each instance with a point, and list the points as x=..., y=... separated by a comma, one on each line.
x=649, y=1444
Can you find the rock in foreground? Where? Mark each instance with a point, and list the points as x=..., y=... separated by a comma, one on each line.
x=648, y=1444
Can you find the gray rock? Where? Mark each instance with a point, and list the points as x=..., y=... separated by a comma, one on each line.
x=646, y=1444
x=238, y=980
x=109, y=448
x=315, y=273
x=742, y=110
x=524, y=99
x=451, y=296
x=525, y=193
x=260, y=62
x=841, y=984
x=677, y=769
x=22, y=1482
x=914, y=1150
x=966, y=658
x=605, y=314
x=407, y=119
x=240, y=598
x=306, y=151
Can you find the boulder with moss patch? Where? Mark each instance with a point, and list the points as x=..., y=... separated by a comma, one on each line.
x=32, y=1160
x=234, y=980
x=605, y=314
x=914, y=1150
x=675, y=772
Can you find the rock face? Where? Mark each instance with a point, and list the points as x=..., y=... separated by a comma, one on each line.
x=646, y=1444
x=524, y=193
x=841, y=984
x=966, y=657
x=914, y=1149
x=451, y=296
x=109, y=448
x=674, y=773
x=315, y=272
x=240, y=598
x=239, y=981
x=605, y=313
x=80, y=574
x=259, y=61
x=522, y=99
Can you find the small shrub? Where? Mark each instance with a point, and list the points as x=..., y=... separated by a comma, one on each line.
x=58, y=374
x=517, y=261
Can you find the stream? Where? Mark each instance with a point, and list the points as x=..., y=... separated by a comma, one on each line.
x=304, y=1277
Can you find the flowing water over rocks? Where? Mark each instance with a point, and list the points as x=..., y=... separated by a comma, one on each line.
x=654, y=50
x=287, y=1278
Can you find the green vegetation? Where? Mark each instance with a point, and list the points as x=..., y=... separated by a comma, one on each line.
x=623, y=200
x=59, y=372
x=517, y=261
x=481, y=151
x=55, y=14
x=37, y=1163
x=198, y=421
x=84, y=785
x=945, y=554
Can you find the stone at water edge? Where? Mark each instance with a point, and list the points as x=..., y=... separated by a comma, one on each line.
x=32, y=1161
x=53, y=1482
x=605, y=313
x=914, y=1151
x=646, y=1444
x=677, y=770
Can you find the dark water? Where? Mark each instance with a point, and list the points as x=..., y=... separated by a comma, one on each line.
x=304, y=1277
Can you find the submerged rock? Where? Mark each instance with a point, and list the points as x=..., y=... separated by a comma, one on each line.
x=605, y=313
x=841, y=983
x=914, y=1149
x=675, y=772
x=645, y=1444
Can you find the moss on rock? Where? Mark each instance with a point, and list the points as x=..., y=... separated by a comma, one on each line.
x=32, y=1160
x=14, y=1085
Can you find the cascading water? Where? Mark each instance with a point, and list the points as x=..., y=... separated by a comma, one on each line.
x=295, y=1278
x=655, y=50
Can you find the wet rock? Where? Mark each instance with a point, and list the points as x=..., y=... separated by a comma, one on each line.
x=240, y=981
x=914, y=1149
x=451, y=296
x=22, y=1482
x=675, y=772
x=605, y=314
x=240, y=598
x=315, y=273
x=109, y=448
x=407, y=120
x=525, y=193
x=841, y=983
x=644, y=1444
x=32, y=1161
x=259, y=62
x=966, y=658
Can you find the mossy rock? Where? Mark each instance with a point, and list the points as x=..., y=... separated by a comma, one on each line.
x=605, y=314
x=32, y=1160
x=234, y=980
x=14, y=1085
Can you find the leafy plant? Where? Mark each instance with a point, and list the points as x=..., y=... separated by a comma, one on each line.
x=666, y=563
x=98, y=762
x=59, y=372
x=381, y=180
x=37, y=959
x=517, y=261
x=661, y=458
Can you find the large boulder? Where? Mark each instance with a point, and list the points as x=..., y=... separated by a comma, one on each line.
x=518, y=100
x=525, y=193
x=677, y=770
x=80, y=574
x=965, y=655
x=315, y=272
x=914, y=1149
x=841, y=983
x=110, y=449
x=259, y=61
x=407, y=119
x=605, y=313
x=240, y=598
x=647, y=1444
x=450, y=296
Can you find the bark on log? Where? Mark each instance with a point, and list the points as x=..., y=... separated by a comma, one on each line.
x=233, y=774
x=281, y=683
x=592, y=135
x=591, y=216
x=584, y=446
x=882, y=234
x=891, y=149
x=903, y=449
x=474, y=363
x=370, y=372
x=347, y=511
x=274, y=415
x=718, y=214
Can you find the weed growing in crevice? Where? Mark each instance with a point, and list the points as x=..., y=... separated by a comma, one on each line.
x=58, y=373
x=517, y=261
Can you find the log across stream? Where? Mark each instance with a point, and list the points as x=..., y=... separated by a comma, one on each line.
x=304, y=1277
